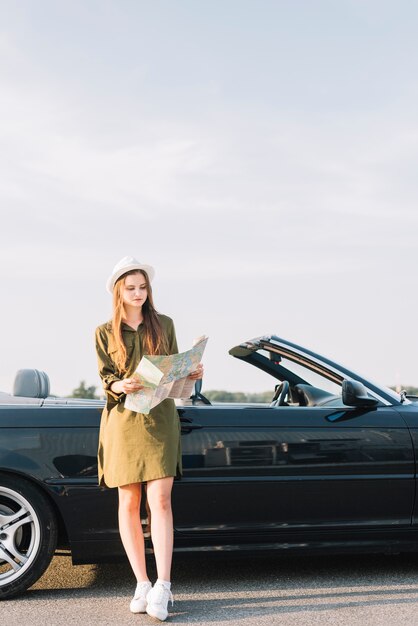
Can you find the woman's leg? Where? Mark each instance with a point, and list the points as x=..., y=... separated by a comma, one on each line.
x=159, y=499
x=130, y=528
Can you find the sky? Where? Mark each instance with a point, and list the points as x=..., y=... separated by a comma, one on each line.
x=262, y=155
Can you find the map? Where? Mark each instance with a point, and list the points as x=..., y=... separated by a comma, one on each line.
x=165, y=376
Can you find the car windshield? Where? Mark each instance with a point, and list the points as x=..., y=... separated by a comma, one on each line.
x=306, y=375
x=390, y=392
x=311, y=376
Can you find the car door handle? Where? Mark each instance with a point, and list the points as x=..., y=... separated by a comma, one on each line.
x=188, y=427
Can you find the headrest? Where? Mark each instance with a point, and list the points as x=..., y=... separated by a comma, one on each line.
x=31, y=384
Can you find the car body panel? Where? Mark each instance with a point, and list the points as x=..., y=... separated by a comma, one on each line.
x=256, y=476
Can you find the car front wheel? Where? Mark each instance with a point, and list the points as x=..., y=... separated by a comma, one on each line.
x=28, y=535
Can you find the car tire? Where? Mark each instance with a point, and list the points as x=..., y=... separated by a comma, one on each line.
x=28, y=535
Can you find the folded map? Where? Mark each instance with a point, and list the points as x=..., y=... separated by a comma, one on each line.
x=165, y=376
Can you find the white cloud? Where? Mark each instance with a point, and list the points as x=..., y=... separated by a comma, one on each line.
x=220, y=181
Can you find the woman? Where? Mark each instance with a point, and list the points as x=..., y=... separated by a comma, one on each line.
x=135, y=448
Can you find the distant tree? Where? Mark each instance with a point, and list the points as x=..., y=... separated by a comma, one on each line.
x=262, y=396
x=411, y=391
x=220, y=395
x=84, y=392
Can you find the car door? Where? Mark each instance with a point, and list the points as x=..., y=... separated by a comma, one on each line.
x=261, y=469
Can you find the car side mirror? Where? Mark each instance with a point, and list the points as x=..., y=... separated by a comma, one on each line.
x=354, y=393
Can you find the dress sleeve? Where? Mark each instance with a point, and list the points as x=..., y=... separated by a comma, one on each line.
x=107, y=370
x=172, y=339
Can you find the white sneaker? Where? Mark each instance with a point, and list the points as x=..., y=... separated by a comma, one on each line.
x=139, y=601
x=157, y=600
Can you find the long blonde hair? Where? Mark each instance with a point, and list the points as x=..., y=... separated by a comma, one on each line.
x=154, y=339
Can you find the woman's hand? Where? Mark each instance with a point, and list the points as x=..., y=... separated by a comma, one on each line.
x=127, y=385
x=198, y=373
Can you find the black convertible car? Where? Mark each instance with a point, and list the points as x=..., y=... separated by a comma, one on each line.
x=328, y=465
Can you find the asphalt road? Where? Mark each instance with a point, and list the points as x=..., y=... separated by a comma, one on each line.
x=337, y=590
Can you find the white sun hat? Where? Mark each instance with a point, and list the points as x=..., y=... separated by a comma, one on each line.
x=125, y=265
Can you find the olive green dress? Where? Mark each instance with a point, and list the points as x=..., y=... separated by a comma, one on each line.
x=134, y=447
